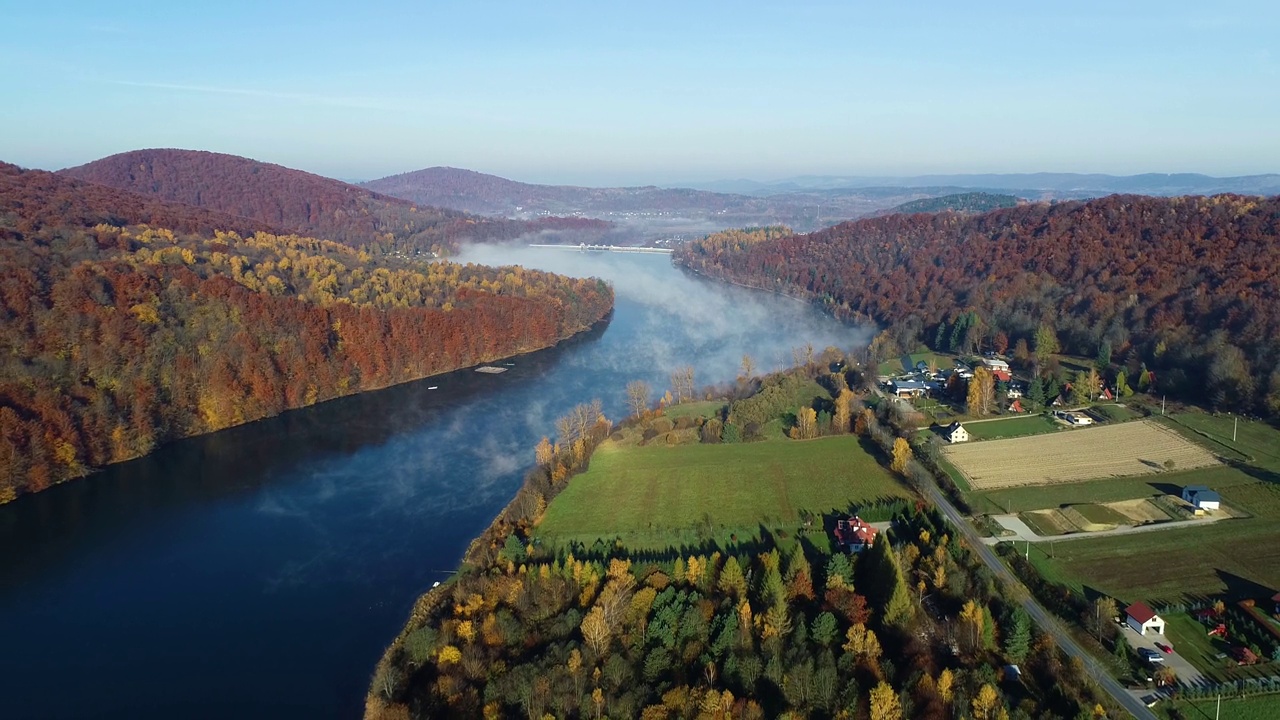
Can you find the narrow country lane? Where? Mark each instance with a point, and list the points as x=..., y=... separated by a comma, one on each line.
x=1042, y=617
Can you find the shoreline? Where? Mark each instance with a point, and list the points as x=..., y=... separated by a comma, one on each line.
x=603, y=320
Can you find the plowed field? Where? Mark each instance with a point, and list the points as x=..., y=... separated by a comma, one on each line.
x=1133, y=448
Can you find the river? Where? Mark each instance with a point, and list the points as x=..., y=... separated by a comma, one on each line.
x=260, y=571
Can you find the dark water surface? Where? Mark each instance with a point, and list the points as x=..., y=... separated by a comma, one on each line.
x=260, y=571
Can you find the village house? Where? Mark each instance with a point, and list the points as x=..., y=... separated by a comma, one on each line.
x=996, y=364
x=908, y=388
x=1014, y=392
x=854, y=535
x=1201, y=497
x=956, y=433
x=1016, y=406
x=1142, y=618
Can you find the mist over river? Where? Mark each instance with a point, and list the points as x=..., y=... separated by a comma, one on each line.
x=260, y=571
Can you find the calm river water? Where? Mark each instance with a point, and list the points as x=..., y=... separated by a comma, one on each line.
x=260, y=571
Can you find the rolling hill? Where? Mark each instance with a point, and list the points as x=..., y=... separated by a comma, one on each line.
x=129, y=321
x=972, y=202
x=1188, y=285
x=301, y=202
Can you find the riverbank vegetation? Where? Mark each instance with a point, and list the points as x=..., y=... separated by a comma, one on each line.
x=556, y=613
x=119, y=335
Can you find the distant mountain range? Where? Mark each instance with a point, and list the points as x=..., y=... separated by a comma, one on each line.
x=649, y=209
x=1045, y=185
x=304, y=203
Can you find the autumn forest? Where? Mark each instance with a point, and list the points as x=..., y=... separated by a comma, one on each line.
x=129, y=321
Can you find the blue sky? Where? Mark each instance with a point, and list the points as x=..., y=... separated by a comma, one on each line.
x=602, y=93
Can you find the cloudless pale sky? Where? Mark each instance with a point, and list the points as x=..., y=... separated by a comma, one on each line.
x=605, y=93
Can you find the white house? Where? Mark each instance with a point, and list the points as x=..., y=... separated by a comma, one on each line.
x=1142, y=618
x=1201, y=497
x=995, y=364
x=956, y=433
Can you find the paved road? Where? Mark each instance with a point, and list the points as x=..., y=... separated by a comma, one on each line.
x=1023, y=533
x=1038, y=613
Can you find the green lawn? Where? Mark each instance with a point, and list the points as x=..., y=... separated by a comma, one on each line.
x=1012, y=427
x=1229, y=557
x=702, y=408
x=1233, y=557
x=1259, y=707
x=1101, y=515
x=1114, y=413
x=1190, y=638
x=907, y=363
x=653, y=497
x=1052, y=496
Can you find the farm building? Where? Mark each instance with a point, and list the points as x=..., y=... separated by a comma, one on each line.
x=956, y=433
x=1201, y=497
x=855, y=535
x=1142, y=618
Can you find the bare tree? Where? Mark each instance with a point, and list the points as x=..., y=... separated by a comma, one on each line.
x=638, y=397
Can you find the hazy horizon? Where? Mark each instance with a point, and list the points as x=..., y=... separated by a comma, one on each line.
x=583, y=94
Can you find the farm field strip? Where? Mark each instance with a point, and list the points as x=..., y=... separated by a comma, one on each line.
x=1126, y=449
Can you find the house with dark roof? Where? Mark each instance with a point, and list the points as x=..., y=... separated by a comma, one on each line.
x=855, y=535
x=956, y=433
x=908, y=388
x=1142, y=618
x=1201, y=497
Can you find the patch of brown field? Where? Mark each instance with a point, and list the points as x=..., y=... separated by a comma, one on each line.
x=1074, y=517
x=1051, y=520
x=1124, y=449
x=1140, y=511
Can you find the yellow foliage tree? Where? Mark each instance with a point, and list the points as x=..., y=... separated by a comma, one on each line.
x=901, y=456
x=885, y=703
x=449, y=655
x=985, y=703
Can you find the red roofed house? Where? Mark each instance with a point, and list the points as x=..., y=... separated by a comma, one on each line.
x=855, y=535
x=1016, y=406
x=1003, y=376
x=1142, y=618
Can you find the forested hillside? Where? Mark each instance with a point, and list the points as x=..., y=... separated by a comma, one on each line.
x=1189, y=286
x=119, y=333
x=970, y=202
x=300, y=202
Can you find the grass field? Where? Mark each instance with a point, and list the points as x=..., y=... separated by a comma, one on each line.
x=1126, y=449
x=1018, y=499
x=1044, y=523
x=654, y=497
x=907, y=363
x=703, y=408
x=1012, y=427
x=1260, y=707
x=1238, y=557
x=1114, y=413
x=1191, y=640
x=1101, y=514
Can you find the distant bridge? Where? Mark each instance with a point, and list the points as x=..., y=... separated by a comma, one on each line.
x=583, y=247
